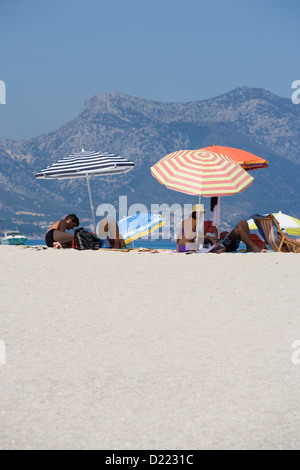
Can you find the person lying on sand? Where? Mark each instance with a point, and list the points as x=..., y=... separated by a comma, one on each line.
x=56, y=236
x=186, y=238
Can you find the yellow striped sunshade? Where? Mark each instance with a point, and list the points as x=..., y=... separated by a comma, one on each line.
x=201, y=172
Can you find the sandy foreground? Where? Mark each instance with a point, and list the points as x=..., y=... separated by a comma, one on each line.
x=110, y=350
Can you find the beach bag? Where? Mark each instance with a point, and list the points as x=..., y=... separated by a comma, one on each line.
x=84, y=240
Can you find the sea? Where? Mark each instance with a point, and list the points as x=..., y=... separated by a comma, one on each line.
x=140, y=243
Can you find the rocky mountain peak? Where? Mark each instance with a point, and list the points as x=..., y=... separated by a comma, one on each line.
x=144, y=131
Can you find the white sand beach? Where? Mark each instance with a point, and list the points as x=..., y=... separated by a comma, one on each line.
x=111, y=350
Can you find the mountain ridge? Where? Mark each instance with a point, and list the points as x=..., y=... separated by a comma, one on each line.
x=145, y=131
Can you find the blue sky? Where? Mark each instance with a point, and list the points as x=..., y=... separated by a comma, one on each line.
x=54, y=54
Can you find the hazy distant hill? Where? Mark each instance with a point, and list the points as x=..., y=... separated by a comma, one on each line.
x=145, y=131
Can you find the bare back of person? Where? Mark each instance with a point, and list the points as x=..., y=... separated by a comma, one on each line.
x=186, y=238
x=60, y=225
x=56, y=235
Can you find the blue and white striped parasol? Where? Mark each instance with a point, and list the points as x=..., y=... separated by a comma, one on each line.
x=85, y=164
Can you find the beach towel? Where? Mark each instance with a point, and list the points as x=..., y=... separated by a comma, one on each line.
x=258, y=241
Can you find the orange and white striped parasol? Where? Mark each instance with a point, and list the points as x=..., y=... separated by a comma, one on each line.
x=201, y=172
x=248, y=161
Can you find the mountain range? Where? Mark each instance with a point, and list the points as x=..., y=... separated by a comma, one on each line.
x=144, y=131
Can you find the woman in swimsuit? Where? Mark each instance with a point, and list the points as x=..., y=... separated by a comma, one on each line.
x=186, y=238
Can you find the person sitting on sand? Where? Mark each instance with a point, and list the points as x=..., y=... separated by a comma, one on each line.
x=108, y=232
x=56, y=236
x=186, y=238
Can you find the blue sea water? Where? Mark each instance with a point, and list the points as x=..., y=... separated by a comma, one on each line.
x=141, y=243
x=35, y=242
x=155, y=244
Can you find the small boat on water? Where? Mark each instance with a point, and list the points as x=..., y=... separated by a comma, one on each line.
x=13, y=237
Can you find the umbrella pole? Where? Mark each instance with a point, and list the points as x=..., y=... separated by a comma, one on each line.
x=218, y=218
x=199, y=241
x=91, y=202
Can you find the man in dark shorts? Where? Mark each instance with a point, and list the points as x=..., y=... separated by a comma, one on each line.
x=240, y=233
x=56, y=236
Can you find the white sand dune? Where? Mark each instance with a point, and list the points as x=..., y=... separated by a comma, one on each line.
x=110, y=350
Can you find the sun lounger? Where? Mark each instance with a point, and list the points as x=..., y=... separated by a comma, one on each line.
x=271, y=232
